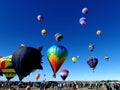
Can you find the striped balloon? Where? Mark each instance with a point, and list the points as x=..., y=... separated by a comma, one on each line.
x=8, y=72
x=64, y=73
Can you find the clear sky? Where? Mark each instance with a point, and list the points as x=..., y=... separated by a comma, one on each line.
x=18, y=24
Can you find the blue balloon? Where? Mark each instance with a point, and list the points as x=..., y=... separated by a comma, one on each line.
x=92, y=62
x=64, y=73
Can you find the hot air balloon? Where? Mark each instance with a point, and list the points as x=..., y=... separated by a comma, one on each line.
x=37, y=76
x=64, y=73
x=43, y=32
x=106, y=58
x=82, y=21
x=56, y=56
x=58, y=37
x=39, y=17
x=85, y=10
x=25, y=60
x=8, y=72
x=74, y=59
x=92, y=62
x=91, y=47
x=99, y=32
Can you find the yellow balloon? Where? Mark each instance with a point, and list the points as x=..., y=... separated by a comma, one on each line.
x=74, y=59
x=99, y=32
x=43, y=32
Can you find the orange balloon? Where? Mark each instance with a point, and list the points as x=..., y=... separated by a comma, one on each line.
x=37, y=76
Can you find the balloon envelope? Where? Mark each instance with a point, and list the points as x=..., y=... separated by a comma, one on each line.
x=82, y=21
x=92, y=62
x=39, y=17
x=74, y=59
x=37, y=76
x=82, y=18
x=106, y=58
x=58, y=37
x=85, y=10
x=25, y=60
x=43, y=32
x=64, y=73
x=5, y=61
x=8, y=72
x=56, y=56
x=91, y=47
x=99, y=32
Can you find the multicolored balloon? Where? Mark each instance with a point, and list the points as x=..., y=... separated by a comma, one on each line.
x=9, y=73
x=92, y=62
x=56, y=56
x=4, y=62
x=64, y=73
x=91, y=47
x=1, y=73
x=82, y=21
x=85, y=10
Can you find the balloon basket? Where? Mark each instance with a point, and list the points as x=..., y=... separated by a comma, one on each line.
x=54, y=76
x=92, y=69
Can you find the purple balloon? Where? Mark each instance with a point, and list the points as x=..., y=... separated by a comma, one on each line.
x=85, y=10
x=82, y=21
x=39, y=17
x=92, y=62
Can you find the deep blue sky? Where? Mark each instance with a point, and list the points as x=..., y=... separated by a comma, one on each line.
x=18, y=24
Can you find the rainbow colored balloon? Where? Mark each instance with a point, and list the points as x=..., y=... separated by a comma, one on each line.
x=56, y=56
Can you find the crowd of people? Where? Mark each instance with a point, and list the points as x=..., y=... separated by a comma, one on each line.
x=60, y=85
